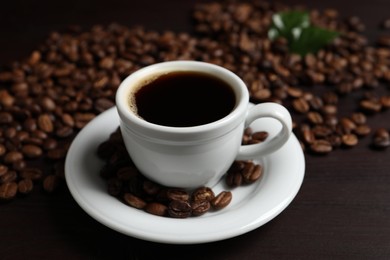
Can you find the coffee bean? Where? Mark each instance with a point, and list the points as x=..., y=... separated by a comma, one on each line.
x=370, y=105
x=45, y=123
x=12, y=156
x=234, y=178
x=199, y=208
x=5, y=118
x=25, y=186
x=3, y=169
x=156, y=208
x=315, y=117
x=9, y=176
x=362, y=130
x=359, y=118
x=260, y=136
x=381, y=138
x=179, y=209
x=134, y=201
x=349, y=140
x=49, y=144
x=57, y=153
x=301, y=105
x=31, y=151
x=64, y=131
x=51, y=183
x=8, y=190
x=321, y=147
x=253, y=174
x=385, y=101
x=151, y=188
x=177, y=194
x=31, y=173
x=3, y=150
x=202, y=194
x=222, y=200
x=114, y=186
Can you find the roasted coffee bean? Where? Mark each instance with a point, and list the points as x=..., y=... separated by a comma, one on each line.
x=362, y=130
x=102, y=104
x=134, y=201
x=370, y=105
x=381, y=138
x=308, y=136
x=385, y=101
x=114, y=186
x=177, y=194
x=127, y=173
x=45, y=123
x=3, y=169
x=49, y=144
x=315, y=117
x=350, y=140
x=3, y=150
x=57, y=153
x=300, y=105
x=253, y=174
x=359, y=118
x=202, y=194
x=5, y=118
x=156, y=208
x=30, y=124
x=8, y=190
x=64, y=131
x=31, y=173
x=31, y=151
x=260, y=136
x=222, y=200
x=13, y=156
x=233, y=178
x=150, y=187
x=321, y=147
x=51, y=183
x=199, y=208
x=9, y=176
x=25, y=186
x=179, y=209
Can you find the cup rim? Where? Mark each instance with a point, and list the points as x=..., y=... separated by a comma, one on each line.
x=142, y=127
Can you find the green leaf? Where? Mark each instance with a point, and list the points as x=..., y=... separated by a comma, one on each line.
x=311, y=40
x=302, y=37
x=285, y=24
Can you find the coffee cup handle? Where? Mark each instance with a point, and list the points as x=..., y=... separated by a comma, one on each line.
x=267, y=110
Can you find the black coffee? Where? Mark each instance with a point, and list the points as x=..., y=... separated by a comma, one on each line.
x=184, y=99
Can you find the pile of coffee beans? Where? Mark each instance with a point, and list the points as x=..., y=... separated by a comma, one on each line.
x=349, y=67
x=126, y=183
x=48, y=97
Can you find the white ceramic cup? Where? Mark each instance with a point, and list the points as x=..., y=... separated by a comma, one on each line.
x=190, y=157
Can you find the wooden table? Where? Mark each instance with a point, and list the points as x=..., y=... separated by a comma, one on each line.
x=342, y=210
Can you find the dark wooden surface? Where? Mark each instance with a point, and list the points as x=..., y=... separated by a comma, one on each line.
x=341, y=212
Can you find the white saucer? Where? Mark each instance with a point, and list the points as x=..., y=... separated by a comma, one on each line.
x=251, y=207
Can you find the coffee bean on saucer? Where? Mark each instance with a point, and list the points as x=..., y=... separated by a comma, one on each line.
x=177, y=194
x=200, y=207
x=156, y=208
x=179, y=209
x=202, y=194
x=221, y=200
x=134, y=201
